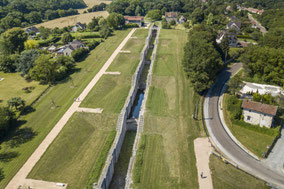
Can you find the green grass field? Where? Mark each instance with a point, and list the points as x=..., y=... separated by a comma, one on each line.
x=225, y=176
x=112, y=90
x=12, y=86
x=254, y=141
x=44, y=118
x=70, y=161
x=168, y=159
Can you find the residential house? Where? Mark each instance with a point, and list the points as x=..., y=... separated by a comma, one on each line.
x=182, y=20
x=32, y=29
x=78, y=26
x=139, y=20
x=52, y=48
x=220, y=36
x=232, y=38
x=171, y=16
x=67, y=50
x=255, y=11
x=257, y=113
x=234, y=25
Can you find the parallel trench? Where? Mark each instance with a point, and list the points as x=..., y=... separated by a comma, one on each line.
x=118, y=179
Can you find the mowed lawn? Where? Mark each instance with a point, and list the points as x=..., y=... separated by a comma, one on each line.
x=225, y=176
x=45, y=117
x=254, y=141
x=112, y=90
x=12, y=86
x=75, y=150
x=168, y=158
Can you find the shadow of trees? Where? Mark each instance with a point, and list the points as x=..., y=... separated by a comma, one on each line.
x=7, y=156
x=1, y=174
x=21, y=136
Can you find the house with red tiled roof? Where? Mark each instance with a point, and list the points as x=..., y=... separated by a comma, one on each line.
x=257, y=113
x=139, y=20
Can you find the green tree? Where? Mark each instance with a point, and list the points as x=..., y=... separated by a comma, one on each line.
x=235, y=84
x=173, y=22
x=115, y=21
x=4, y=121
x=66, y=38
x=13, y=40
x=154, y=14
x=16, y=104
x=43, y=70
x=7, y=63
x=26, y=61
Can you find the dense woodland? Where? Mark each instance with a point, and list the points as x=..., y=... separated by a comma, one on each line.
x=20, y=13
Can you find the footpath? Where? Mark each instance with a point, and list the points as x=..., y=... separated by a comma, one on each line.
x=20, y=178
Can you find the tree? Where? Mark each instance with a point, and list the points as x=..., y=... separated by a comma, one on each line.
x=165, y=24
x=235, y=84
x=4, y=121
x=7, y=63
x=13, y=40
x=224, y=46
x=44, y=69
x=115, y=21
x=66, y=38
x=26, y=61
x=31, y=44
x=154, y=14
x=33, y=17
x=105, y=31
x=173, y=22
x=16, y=104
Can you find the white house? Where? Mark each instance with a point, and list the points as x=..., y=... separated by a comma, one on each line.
x=78, y=26
x=257, y=113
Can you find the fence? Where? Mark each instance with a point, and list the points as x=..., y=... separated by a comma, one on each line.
x=108, y=170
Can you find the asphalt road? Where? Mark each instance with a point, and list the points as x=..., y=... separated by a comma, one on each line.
x=222, y=140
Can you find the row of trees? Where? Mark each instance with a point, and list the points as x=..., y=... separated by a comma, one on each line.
x=96, y=8
x=202, y=60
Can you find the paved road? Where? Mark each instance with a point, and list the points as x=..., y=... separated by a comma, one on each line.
x=222, y=140
x=254, y=21
x=20, y=177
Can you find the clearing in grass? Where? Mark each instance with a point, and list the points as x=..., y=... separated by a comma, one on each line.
x=71, y=161
x=226, y=176
x=42, y=120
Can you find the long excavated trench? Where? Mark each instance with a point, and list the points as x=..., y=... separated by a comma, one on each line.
x=118, y=179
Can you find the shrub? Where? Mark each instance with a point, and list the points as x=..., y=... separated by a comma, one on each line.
x=79, y=53
x=99, y=164
x=93, y=44
x=131, y=25
x=234, y=107
x=139, y=160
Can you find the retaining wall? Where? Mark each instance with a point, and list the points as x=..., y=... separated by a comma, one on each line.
x=108, y=170
x=140, y=121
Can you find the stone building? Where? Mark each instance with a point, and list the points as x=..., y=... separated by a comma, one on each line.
x=171, y=16
x=139, y=20
x=257, y=113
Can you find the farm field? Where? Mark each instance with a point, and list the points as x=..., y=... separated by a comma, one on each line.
x=72, y=20
x=91, y=3
x=12, y=86
x=71, y=161
x=112, y=90
x=169, y=129
x=254, y=141
x=33, y=127
x=226, y=176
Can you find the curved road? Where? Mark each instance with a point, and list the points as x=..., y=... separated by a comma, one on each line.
x=222, y=140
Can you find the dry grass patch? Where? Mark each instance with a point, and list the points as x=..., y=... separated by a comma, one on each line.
x=91, y=3
x=72, y=20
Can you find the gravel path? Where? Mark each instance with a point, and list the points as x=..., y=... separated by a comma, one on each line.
x=20, y=177
x=203, y=149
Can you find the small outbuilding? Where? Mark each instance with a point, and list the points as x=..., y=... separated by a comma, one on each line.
x=257, y=113
x=78, y=26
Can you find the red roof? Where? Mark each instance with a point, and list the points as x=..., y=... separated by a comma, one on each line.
x=136, y=18
x=259, y=107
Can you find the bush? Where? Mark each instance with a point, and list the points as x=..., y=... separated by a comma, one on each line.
x=139, y=160
x=93, y=44
x=88, y=35
x=79, y=53
x=100, y=162
x=131, y=25
x=234, y=107
x=50, y=41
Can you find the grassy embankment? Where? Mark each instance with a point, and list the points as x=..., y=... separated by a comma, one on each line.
x=226, y=176
x=84, y=156
x=168, y=159
x=36, y=125
x=254, y=140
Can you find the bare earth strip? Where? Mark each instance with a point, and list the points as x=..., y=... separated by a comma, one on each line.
x=203, y=150
x=72, y=20
x=20, y=177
